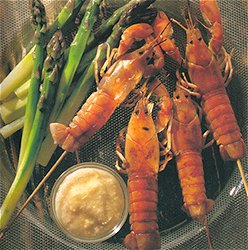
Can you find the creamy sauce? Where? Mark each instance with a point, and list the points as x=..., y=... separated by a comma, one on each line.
x=89, y=202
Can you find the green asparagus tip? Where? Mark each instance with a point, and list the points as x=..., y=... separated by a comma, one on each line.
x=52, y=64
x=136, y=12
x=55, y=51
x=38, y=15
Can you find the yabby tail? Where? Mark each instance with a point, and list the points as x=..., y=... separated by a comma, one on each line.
x=143, y=212
x=92, y=116
x=191, y=176
x=223, y=124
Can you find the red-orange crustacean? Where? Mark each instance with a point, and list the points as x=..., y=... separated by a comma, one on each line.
x=185, y=142
x=117, y=83
x=141, y=161
x=207, y=79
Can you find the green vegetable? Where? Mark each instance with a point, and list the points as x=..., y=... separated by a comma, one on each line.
x=17, y=76
x=76, y=51
x=13, y=109
x=22, y=72
x=65, y=17
x=52, y=66
x=40, y=24
x=22, y=91
x=9, y=129
x=105, y=28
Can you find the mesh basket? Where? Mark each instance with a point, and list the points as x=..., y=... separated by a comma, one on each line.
x=227, y=222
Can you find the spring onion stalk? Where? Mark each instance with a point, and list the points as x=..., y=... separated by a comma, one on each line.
x=17, y=76
x=23, y=70
x=76, y=51
x=87, y=80
x=22, y=91
x=9, y=129
x=52, y=66
x=40, y=24
x=13, y=109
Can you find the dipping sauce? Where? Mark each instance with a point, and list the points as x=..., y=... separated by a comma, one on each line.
x=89, y=202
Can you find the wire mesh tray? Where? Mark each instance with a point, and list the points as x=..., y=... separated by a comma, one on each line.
x=35, y=230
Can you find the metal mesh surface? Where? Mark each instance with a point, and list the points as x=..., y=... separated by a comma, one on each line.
x=227, y=221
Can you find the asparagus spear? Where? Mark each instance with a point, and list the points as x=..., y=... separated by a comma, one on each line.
x=105, y=28
x=86, y=81
x=22, y=71
x=52, y=66
x=39, y=21
x=65, y=17
x=76, y=51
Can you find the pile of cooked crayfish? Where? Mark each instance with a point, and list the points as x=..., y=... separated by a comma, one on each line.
x=177, y=119
x=203, y=74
